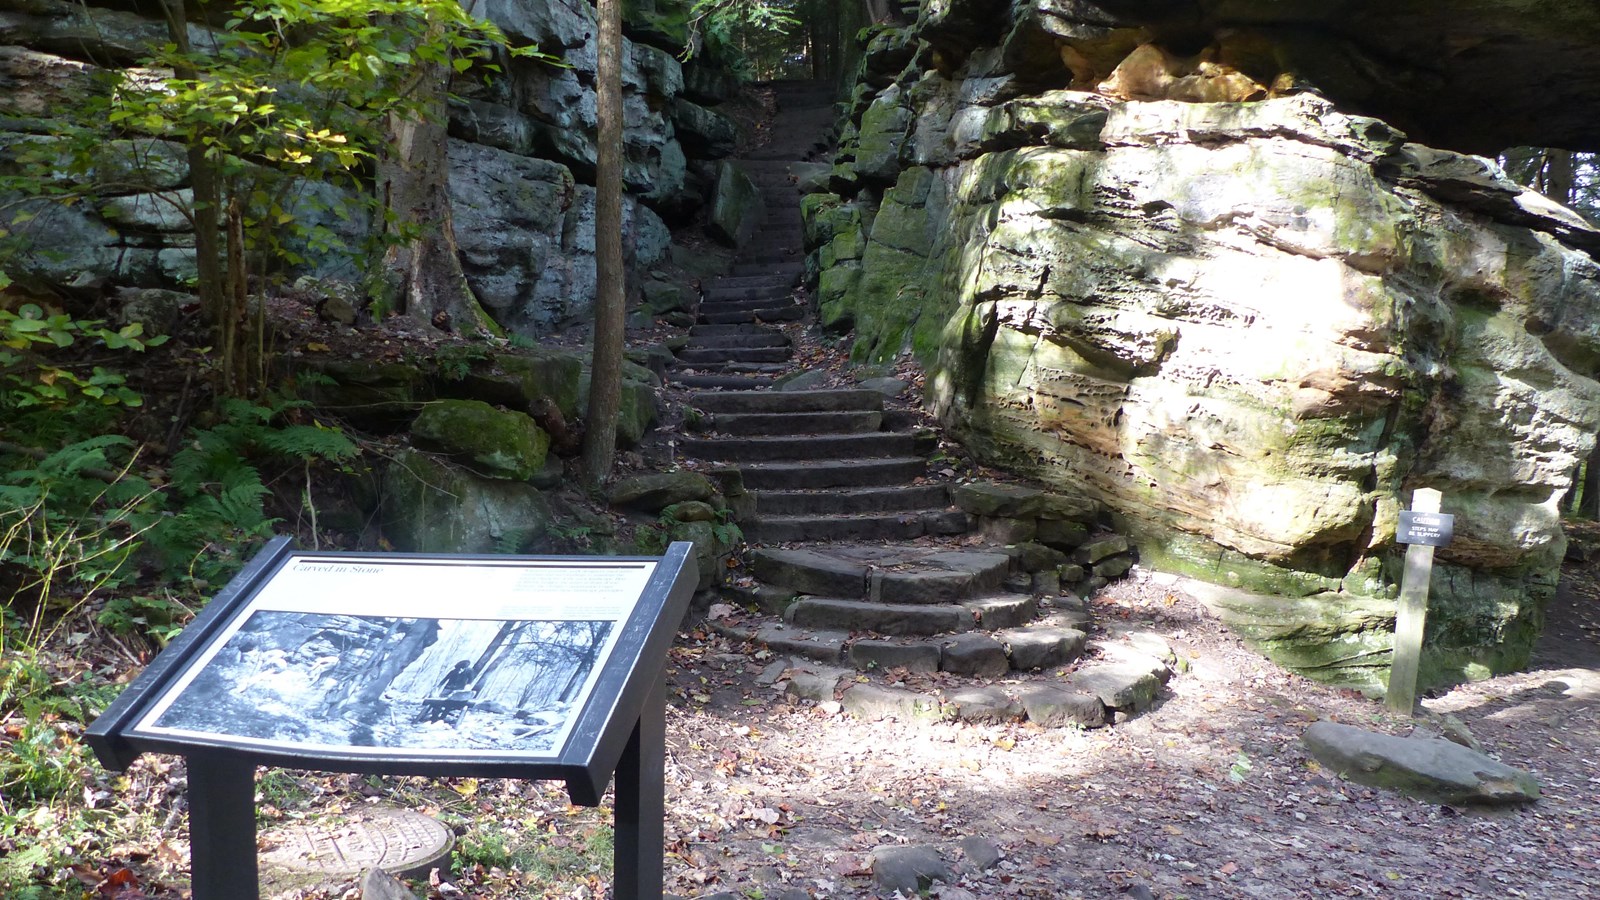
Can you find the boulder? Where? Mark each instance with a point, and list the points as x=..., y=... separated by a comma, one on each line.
x=1428, y=767
x=704, y=133
x=430, y=506
x=654, y=492
x=492, y=442
x=736, y=206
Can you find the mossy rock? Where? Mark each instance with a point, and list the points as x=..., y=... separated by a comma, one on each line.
x=637, y=409
x=524, y=380
x=431, y=506
x=690, y=511
x=381, y=397
x=654, y=492
x=494, y=442
x=736, y=206
x=711, y=545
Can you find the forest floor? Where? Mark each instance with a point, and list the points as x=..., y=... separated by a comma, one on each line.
x=1207, y=795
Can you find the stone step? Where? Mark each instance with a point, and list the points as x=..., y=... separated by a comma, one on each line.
x=700, y=356
x=859, y=500
x=770, y=290
x=707, y=381
x=822, y=446
x=751, y=281
x=704, y=331
x=1020, y=649
x=776, y=245
x=786, y=313
x=774, y=258
x=883, y=618
x=789, y=401
x=786, y=269
x=818, y=656
x=742, y=368
x=767, y=166
x=799, y=476
x=791, y=153
x=883, y=574
x=744, y=303
x=725, y=341
x=901, y=525
x=847, y=422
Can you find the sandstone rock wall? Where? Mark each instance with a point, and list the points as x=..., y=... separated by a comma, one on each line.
x=1250, y=328
x=521, y=152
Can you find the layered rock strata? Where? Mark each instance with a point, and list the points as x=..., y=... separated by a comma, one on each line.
x=1249, y=327
x=521, y=154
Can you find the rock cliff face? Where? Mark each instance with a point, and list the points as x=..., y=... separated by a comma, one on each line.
x=1248, y=322
x=1473, y=75
x=521, y=153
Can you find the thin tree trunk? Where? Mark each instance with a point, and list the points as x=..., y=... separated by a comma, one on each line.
x=1589, y=503
x=605, y=374
x=206, y=184
x=422, y=271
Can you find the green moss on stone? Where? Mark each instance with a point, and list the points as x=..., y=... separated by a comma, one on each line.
x=494, y=442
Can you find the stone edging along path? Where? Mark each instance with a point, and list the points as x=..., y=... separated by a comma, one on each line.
x=861, y=590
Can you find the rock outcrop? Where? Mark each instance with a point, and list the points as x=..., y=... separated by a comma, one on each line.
x=1245, y=320
x=521, y=154
x=1473, y=75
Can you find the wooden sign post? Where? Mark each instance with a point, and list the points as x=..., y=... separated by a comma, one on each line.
x=1422, y=528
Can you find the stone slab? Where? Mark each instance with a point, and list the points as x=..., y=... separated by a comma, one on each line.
x=884, y=618
x=1431, y=768
x=872, y=702
x=916, y=657
x=1055, y=706
x=982, y=704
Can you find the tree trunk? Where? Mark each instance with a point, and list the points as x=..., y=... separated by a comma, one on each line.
x=422, y=275
x=1559, y=171
x=206, y=209
x=605, y=374
x=1589, y=503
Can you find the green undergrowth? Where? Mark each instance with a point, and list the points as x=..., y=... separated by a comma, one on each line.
x=110, y=541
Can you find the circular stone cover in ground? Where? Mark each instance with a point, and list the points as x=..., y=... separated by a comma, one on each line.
x=401, y=842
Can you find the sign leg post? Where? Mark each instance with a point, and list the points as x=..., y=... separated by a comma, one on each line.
x=641, y=805
x=1411, y=614
x=222, y=828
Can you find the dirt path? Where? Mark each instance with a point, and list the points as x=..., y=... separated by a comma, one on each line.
x=1209, y=795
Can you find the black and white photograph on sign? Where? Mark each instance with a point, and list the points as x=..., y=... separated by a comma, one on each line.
x=309, y=663
x=420, y=684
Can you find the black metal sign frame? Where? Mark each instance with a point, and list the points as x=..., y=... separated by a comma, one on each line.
x=617, y=726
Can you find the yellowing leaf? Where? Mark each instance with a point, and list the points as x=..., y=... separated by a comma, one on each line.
x=318, y=347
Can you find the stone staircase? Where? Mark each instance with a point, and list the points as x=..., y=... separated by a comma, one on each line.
x=836, y=486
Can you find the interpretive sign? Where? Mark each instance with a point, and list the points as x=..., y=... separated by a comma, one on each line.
x=1431, y=529
x=508, y=666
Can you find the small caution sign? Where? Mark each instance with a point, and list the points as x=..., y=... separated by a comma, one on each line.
x=1430, y=529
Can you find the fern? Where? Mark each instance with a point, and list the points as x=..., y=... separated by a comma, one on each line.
x=310, y=442
x=217, y=481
